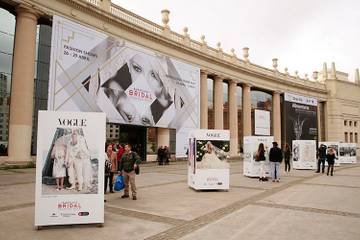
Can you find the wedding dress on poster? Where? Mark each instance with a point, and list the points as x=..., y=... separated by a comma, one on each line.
x=210, y=160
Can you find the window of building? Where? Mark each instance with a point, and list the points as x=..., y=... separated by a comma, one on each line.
x=262, y=101
x=41, y=78
x=345, y=122
x=7, y=33
x=346, y=137
x=211, y=117
x=356, y=137
x=226, y=105
x=151, y=143
x=351, y=137
x=355, y=123
x=350, y=123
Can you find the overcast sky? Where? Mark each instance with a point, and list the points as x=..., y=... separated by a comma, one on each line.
x=302, y=34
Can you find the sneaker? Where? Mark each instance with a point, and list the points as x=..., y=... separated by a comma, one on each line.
x=134, y=198
x=71, y=187
x=124, y=196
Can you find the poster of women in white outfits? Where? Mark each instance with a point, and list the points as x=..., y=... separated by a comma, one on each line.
x=70, y=168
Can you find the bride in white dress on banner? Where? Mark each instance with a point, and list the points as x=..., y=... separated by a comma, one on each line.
x=210, y=160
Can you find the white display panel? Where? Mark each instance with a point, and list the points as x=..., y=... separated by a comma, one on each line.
x=208, y=153
x=262, y=122
x=304, y=154
x=251, y=167
x=347, y=153
x=70, y=145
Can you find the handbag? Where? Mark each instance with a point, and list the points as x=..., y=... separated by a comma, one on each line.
x=137, y=170
x=119, y=183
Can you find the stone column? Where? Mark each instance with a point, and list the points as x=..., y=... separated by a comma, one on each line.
x=233, y=119
x=163, y=137
x=246, y=94
x=276, y=117
x=203, y=100
x=318, y=113
x=22, y=85
x=218, y=103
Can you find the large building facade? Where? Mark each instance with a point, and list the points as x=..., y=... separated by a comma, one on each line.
x=233, y=90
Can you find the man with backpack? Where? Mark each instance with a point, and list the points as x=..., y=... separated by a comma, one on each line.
x=129, y=162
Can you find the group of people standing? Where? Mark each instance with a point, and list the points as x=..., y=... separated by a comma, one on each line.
x=276, y=155
x=326, y=154
x=163, y=155
x=122, y=161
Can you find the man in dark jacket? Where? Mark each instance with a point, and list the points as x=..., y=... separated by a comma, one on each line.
x=129, y=161
x=275, y=158
x=321, y=154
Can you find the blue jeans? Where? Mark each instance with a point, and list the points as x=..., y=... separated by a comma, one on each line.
x=275, y=170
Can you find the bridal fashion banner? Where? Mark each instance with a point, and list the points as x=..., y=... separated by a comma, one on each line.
x=208, y=159
x=93, y=72
x=70, y=168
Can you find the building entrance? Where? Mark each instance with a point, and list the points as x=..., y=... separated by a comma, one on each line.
x=136, y=137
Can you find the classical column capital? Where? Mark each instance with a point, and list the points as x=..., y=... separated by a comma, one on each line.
x=204, y=72
x=27, y=12
x=246, y=85
x=277, y=92
x=219, y=78
x=232, y=81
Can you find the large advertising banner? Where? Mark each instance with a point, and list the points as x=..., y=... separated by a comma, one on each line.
x=208, y=154
x=262, y=122
x=347, y=152
x=335, y=146
x=300, y=117
x=251, y=145
x=304, y=154
x=70, y=168
x=93, y=72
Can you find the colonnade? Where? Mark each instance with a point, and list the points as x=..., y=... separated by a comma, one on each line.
x=233, y=109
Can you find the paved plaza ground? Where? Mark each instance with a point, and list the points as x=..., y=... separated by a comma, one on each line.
x=304, y=205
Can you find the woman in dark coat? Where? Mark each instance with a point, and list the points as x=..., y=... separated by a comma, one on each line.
x=330, y=158
x=287, y=154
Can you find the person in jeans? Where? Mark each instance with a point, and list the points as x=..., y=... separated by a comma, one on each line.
x=111, y=155
x=275, y=157
x=260, y=157
x=129, y=161
x=321, y=154
x=330, y=158
x=287, y=155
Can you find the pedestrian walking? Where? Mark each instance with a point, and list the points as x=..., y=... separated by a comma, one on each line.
x=166, y=155
x=129, y=161
x=287, y=155
x=111, y=155
x=330, y=158
x=160, y=155
x=260, y=157
x=321, y=155
x=275, y=157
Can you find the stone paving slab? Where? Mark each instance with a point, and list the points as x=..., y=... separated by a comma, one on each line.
x=19, y=224
x=150, y=179
x=345, y=181
x=181, y=202
x=256, y=223
x=17, y=194
x=317, y=196
x=16, y=178
x=350, y=172
x=239, y=180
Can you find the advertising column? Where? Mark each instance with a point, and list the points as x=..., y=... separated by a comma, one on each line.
x=70, y=168
x=208, y=155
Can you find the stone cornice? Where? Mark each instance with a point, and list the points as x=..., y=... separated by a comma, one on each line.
x=247, y=72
